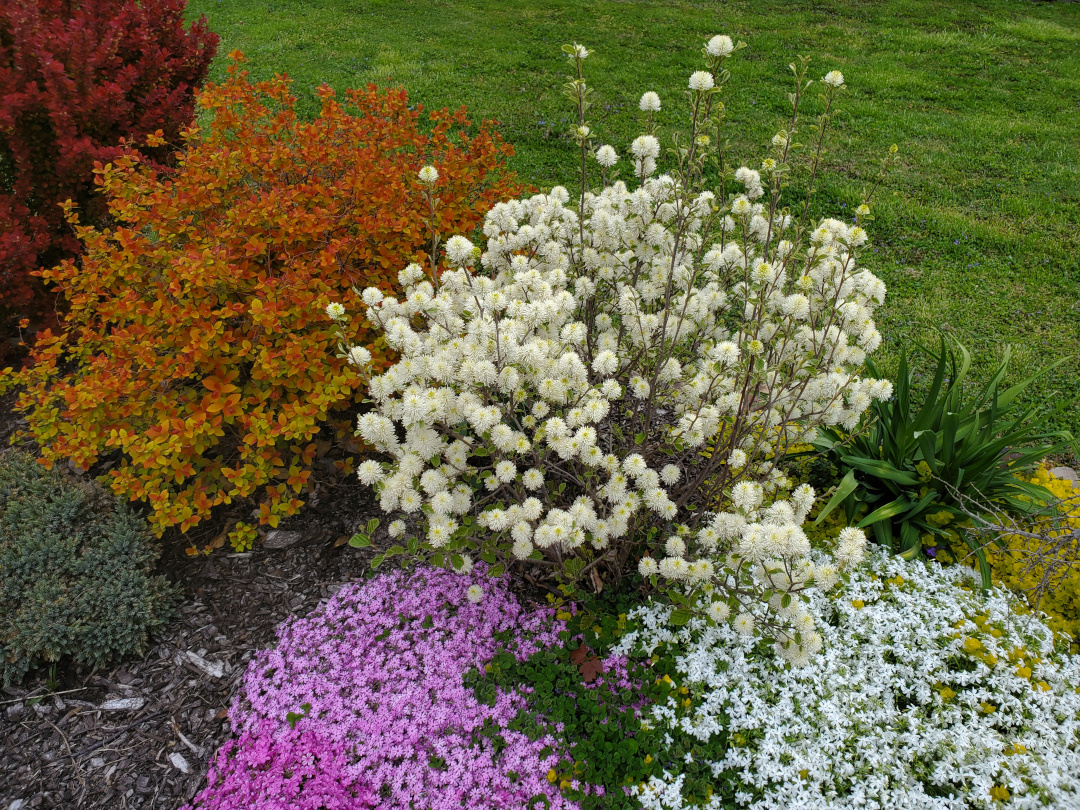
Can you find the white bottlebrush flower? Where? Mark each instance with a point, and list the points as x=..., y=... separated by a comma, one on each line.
x=701, y=81
x=475, y=594
x=396, y=528
x=719, y=611
x=369, y=472
x=578, y=52
x=850, y=546
x=744, y=624
x=429, y=174
x=720, y=45
x=647, y=566
x=335, y=311
x=670, y=474
x=505, y=471
x=674, y=546
x=645, y=146
x=606, y=156
x=359, y=356
x=459, y=251
x=533, y=479
x=650, y=102
x=834, y=78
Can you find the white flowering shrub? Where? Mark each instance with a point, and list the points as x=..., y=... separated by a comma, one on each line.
x=928, y=693
x=558, y=389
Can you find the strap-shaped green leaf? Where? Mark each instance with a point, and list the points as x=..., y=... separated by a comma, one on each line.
x=846, y=486
x=886, y=512
x=882, y=469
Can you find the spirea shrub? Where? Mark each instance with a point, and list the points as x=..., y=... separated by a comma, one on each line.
x=363, y=704
x=76, y=78
x=194, y=354
x=75, y=572
x=555, y=390
x=928, y=693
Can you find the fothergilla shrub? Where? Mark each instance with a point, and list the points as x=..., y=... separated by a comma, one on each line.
x=196, y=347
x=556, y=389
x=76, y=78
x=75, y=572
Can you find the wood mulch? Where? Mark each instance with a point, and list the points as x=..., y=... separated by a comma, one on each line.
x=140, y=735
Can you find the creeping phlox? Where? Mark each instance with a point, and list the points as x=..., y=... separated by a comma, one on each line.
x=556, y=390
x=927, y=694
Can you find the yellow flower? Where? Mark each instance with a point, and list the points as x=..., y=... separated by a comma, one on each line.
x=552, y=776
x=858, y=604
x=987, y=708
x=972, y=645
x=999, y=793
x=648, y=758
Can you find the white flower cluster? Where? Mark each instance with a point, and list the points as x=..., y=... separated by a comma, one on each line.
x=927, y=694
x=563, y=392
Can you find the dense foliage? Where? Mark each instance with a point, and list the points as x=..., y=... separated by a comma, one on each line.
x=195, y=349
x=75, y=79
x=75, y=572
x=917, y=468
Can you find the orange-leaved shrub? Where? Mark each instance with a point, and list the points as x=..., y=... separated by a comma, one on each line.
x=196, y=354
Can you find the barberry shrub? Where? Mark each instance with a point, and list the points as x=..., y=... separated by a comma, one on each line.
x=557, y=392
x=75, y=79
x=196, y=347
x=76, y=572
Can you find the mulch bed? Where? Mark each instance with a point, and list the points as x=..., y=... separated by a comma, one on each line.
x=140, y=735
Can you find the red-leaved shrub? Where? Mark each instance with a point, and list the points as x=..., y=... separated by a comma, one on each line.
x=76, y=76
x=196, y=351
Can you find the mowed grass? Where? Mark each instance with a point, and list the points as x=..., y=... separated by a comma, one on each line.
x=977, y=228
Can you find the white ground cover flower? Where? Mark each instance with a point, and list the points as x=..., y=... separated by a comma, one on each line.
x=927, y=694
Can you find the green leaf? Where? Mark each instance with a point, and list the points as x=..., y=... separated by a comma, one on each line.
x=372, y=525
x=679, y=617
x=359, y=541
x=845, y=488
x=882, y=469
x=889, y=510
x=639, y=438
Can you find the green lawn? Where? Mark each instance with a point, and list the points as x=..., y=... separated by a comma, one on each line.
x=978, y=227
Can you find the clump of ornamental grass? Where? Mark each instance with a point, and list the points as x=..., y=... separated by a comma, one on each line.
x=929, y=693
x=363, y=704
x=556, y=388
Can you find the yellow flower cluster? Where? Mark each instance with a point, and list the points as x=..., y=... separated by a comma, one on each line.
x=1062, y=603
